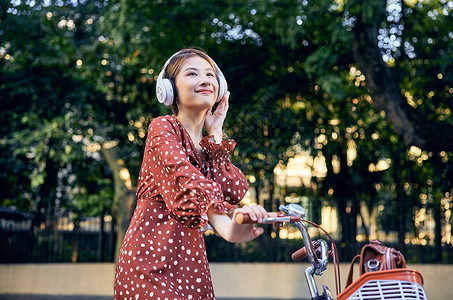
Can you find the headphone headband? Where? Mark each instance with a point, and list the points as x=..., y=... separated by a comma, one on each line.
x=165, y=87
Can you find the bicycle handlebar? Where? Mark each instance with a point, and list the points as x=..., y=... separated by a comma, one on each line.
x=272, y=217
x=316, y=251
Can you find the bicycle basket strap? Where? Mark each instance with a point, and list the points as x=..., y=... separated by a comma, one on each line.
x=351, y=271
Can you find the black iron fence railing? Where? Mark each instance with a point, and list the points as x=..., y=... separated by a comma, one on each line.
x=44, y=246
x=265, y=249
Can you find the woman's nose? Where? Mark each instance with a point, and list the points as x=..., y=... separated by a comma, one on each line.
x=206, y=80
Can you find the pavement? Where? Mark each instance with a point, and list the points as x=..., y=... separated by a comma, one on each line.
x=78, y=297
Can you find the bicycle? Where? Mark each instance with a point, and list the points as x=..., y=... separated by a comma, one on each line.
x=375, y=284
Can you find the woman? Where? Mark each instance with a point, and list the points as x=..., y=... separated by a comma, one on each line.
x=187, y=184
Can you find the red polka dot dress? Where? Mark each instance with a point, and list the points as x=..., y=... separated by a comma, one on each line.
x=163, y=253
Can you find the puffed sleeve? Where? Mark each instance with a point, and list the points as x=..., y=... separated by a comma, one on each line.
x=186, y=191
x=232, y=181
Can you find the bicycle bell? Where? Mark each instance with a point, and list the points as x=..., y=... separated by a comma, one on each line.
x=293, y=209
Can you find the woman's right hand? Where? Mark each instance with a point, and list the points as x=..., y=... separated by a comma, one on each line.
x=214, y=120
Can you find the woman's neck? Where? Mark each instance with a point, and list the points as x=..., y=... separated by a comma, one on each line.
x=193, y=123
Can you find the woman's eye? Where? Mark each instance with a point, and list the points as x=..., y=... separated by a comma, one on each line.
x=191, y=74
x=211, y=74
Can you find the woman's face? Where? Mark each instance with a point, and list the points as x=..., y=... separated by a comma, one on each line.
x=196, y=84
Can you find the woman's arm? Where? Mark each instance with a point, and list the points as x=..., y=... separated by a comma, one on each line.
x=186, y=191
x=220, y=169
x=233, y=232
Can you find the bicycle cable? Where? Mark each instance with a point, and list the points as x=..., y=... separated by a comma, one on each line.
x=336, y=264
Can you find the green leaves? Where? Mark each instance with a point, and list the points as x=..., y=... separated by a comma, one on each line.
x=73, y=77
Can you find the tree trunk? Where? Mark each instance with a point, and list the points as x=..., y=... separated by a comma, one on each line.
x=402, y=216
x=384, y=88
x=369, y=220
x=438, y=230
x=75, y=242
x=348, y=206
x=401, y=200
x=124, y=196
x=101, y=237
x=48, y=192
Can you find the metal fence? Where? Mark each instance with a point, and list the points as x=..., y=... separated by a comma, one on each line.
x=264, y=249
x=94, y=241
x=86, y=241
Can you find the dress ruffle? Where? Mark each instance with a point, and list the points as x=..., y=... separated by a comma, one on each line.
x=218, y=152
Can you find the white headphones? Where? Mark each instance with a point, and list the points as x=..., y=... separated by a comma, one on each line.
x=165, y=86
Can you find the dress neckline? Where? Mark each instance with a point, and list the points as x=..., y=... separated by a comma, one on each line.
x=198, y=156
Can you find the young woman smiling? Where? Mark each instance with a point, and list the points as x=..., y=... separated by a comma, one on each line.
x=187, y=184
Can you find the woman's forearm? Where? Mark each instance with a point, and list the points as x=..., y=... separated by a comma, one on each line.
x=220, y=222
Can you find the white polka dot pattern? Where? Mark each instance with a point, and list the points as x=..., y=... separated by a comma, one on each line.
x=163, y=254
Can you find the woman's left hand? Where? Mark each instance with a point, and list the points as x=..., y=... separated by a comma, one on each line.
x=233, y=232
x=247, y=232
x=214, y=120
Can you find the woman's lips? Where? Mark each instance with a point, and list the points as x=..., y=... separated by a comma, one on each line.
x=204, y=91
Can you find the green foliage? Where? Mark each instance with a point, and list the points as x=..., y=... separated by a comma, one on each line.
x=48, y=109
x=75, y=76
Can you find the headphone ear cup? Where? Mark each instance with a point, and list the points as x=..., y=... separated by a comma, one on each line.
x=223, y=87
x=169, y=91
x=165, y=91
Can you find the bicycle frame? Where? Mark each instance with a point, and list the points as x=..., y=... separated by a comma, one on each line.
x=317, y=264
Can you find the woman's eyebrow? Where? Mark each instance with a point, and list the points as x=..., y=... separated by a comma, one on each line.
x=195, y=69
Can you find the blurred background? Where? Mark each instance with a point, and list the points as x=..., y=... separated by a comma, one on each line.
x=344, y=107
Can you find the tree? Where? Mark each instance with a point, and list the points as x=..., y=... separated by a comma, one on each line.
x=329, y=41
x=47, y=114
x=421, y=124
x=357, y=83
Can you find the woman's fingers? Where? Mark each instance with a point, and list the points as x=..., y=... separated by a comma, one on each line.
x=246, y=211
x=256, y=212
x=258, y=231
x=259, y=212
x=244, y=232
x=223, y=105
x=227, y=100
x=214, y=120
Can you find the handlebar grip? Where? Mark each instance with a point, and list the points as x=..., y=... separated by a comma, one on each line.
x=272, y=217
x=299, y=255
x=244, y=219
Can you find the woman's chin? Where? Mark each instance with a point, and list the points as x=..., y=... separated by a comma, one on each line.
x=205, y=104
x=198, y=103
